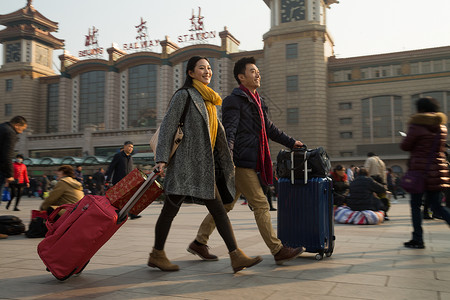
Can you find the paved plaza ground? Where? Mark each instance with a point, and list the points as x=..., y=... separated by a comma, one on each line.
x=369, y=262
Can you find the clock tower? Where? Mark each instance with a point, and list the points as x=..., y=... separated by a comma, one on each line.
x=296, y=51
x=27, y=55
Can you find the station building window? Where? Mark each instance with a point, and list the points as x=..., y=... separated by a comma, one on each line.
x=345, y=106
x=9, y=84
x=52, y=107
x=92, y=99
x=292, y=83
x=292, y=116
x=291, y=51
x=142, y=91
x=8, y=109
x=381, y=116
x=346, y=135
x=345, y=121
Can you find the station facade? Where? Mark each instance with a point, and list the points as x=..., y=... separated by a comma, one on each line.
x=350, y=106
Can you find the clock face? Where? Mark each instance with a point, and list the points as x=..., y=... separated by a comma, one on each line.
x=292, y=10
x=41, y=55
x=13, y=52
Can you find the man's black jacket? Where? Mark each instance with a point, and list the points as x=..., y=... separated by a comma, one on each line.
x=120, y=166
x=242, y=124
x=8, y=139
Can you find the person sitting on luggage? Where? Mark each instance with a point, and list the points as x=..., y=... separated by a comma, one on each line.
x=340, y=185
x=67, y=190
x=363, y=192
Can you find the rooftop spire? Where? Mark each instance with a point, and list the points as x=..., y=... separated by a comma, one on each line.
x=29, y=2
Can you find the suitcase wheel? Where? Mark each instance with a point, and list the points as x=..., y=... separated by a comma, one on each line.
x=328, y=254
x=319, y=256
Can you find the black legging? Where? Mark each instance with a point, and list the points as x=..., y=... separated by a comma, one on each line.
x=170, y=209
x=16, y=192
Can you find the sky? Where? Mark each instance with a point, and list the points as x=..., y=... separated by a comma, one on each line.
x=358, y=27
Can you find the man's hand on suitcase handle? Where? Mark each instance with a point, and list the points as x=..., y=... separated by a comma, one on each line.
x=298, y=145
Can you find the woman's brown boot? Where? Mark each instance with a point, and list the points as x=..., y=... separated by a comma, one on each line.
x=158, y=259
x=240, y=261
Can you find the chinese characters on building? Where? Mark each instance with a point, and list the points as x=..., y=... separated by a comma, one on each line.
x=91, y=44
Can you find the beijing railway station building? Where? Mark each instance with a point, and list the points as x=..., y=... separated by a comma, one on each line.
x=349, y=106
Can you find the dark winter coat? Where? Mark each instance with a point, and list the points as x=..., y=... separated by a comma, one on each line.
x=8, y=139
x=361, y=194
x=420, y=140
x=119, y=167
x=242, y=124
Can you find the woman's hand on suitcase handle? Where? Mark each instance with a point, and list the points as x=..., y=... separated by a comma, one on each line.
x=159, y=168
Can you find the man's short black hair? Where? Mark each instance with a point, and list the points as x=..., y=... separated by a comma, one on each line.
x=128, y=143
x=370, y=154
x=240, y=65
x=18, y=120
x=19, y=156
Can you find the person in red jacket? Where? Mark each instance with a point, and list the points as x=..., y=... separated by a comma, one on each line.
x=20, y=181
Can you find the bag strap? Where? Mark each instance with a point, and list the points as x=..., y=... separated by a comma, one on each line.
x=186, y=106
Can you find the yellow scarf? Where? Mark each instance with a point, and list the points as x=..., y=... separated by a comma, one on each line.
x=211, y=99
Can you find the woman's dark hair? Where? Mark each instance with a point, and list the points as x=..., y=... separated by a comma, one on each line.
x=192, y=62
x=19, y=156
x=240, y=65
x=427, y=104
x=67, y=170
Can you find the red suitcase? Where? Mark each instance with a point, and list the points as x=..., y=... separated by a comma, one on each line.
x=82, y=230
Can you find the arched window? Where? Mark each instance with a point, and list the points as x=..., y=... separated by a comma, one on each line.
x=142, y=90
x=92, y=99
x=381, y=116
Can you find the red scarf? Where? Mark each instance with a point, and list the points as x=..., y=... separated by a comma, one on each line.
x=264, y=164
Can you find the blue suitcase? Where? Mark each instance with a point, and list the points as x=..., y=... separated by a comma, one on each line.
x=305, y=214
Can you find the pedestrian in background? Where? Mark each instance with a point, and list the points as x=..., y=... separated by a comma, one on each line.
x=120, y=166
x=425, y=140
x=20, y=181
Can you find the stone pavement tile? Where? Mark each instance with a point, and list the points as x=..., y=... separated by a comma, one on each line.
x=419, y=284
x=27, y=264
x=443, y=275
x=304, y=295
x=444, y=296
x=120, y=295
x=30, y=290
x=387, y=271
x=109, y=270
x=421, y=263
x=336, y=276
x=382, y=293
x=263, y=283
x=118, y=260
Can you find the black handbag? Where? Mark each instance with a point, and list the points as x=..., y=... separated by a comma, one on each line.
x=318, y=163
x=11, y=225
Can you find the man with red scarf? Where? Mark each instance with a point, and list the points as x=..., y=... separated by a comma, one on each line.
x=244, y=117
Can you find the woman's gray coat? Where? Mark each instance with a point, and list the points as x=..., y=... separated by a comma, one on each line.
x=191, y=171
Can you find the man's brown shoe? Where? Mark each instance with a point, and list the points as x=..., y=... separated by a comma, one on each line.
x=202, y=251
x=287, y=254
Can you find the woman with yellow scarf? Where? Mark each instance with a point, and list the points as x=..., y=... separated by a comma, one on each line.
x=201, y=166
